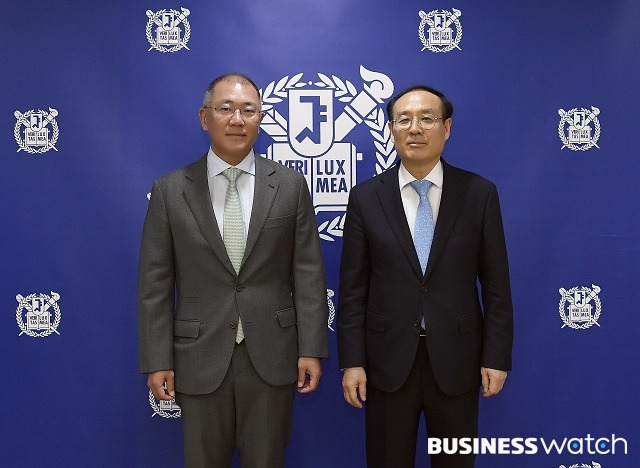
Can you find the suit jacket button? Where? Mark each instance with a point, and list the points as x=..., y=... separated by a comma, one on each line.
x=238, y=288
x=233, y=325
x=423, y=289
x=416, y=323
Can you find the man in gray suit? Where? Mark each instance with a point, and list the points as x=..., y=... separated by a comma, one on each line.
x=228, y=325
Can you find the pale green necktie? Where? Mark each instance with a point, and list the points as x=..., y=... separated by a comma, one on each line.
x=233, y=230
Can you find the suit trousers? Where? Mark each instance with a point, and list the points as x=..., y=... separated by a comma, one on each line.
x=244, y=413
x=392, y=419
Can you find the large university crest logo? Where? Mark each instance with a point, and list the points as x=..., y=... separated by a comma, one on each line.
x=575, y=129
x=575, y=308
x=34, y=315
x=35, y=137
x=440, y=34
x=164, y=408
x=310, y=134
x=169, y=35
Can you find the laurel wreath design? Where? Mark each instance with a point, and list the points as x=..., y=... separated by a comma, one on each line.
x=161, y=412
x=332, y=308
x=345, y=91
x=569, y=323
x=331, y=228
x=164, y=49
x=584, y=465
x=276, y=92
x=32, y=333
x=385, y=150
x=565, y=139
x=433, y=48
x=22, y=143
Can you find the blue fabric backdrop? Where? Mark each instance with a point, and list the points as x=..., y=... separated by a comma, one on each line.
x=116, y=110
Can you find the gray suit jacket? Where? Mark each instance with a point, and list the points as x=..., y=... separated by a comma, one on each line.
x=189, y=295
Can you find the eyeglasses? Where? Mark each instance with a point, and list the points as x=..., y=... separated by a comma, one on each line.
x=226, y=112
x=426, y=122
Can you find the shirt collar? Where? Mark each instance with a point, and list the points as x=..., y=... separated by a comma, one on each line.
x=435, y=176
x=215, y=165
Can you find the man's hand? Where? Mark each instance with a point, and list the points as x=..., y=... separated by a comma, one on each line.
x=156, y=381
x=309, y=372
x=354, y=382
x=492, y=381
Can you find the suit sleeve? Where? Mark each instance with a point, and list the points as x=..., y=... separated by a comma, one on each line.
x=354, y=289
x=309, y=284
x=156, y=288
x=496, y=289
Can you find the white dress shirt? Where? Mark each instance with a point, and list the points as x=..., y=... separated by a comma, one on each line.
x=411, y=199
x=218, y=184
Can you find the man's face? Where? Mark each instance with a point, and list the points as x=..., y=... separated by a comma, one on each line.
x=418, y=147
x=233, y=136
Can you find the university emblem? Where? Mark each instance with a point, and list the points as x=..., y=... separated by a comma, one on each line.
x=575, y=128
x=440, y=36
x=310, y=134
x=32, y=130
x=164, y=408
x=583, y=465
x=38, y=315
x=172, y=29
x=575, y=308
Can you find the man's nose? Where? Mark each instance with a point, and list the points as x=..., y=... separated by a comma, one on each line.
x=415, y=126
x=236, y=118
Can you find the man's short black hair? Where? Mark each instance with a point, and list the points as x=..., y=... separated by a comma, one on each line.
x=447, y=107
x=229, y=78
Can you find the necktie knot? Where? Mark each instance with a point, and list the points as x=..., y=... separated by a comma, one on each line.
x=422, y=187
x=232, y=173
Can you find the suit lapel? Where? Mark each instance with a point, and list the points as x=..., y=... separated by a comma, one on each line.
x=453, y=191
x=196, y=193
x=264, y=193
x=391, y=201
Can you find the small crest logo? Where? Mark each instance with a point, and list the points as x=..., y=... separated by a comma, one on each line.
x=580, y=315
x=36, y=322
x=440, y=36
x=332, y=308
x=584, y=465
x=169, y=37
x=164, y=408
x=36, y=133
x=575, y=129
x=310, y=134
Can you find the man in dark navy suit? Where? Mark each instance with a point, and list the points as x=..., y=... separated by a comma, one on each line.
x=414, y=333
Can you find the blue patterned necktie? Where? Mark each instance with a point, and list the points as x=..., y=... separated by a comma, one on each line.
x=423, y=232
x=233, y=229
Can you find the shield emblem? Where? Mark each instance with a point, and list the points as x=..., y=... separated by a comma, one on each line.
x=37, y=305
x=35, y=121
x=311, y=121
x=579, y=118
x=440, y=21
x=168, y=20
x=580, y=298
